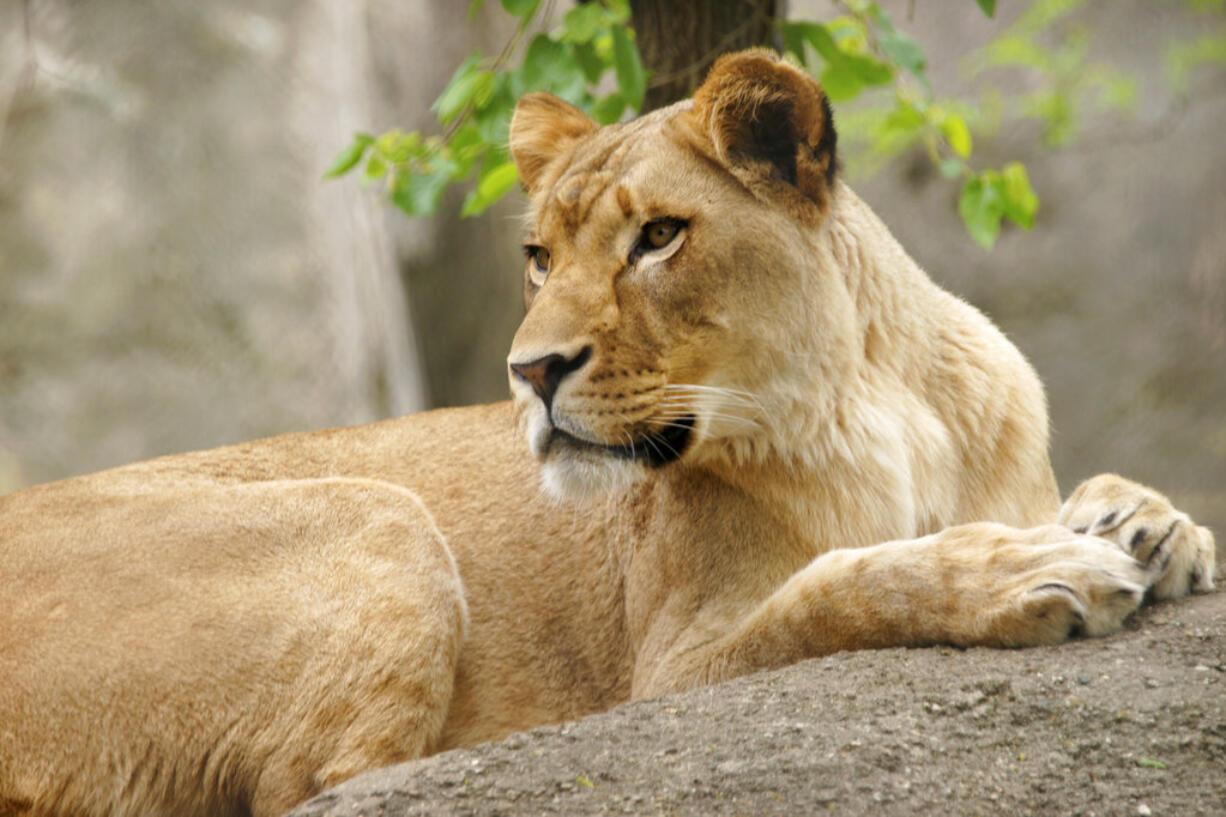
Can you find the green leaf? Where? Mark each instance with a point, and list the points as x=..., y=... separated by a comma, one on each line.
x=494, y=118
x=631, y=77
x=794, y=41
x=609, y=109
x=590, y=61
x=348, y=158
x=582, y=22
x=375, y=167
x=483, y=88
x=951, y=168
x=541, y=62
x=493, y=185
x=523, y=9
x=459, y=91
x=840, y=85
x=396, y=146
x=620, y=9
x=1014, y=49
x=981, y=208
x=953, y=127
x=906, y=52
x=845, y=74
x=570, y=82
x=898, y=46
x=1057, y=110
x=1150, y=763
x=869, y=70
x=465, y=148
x=418, y=193
x=905, y=119
x=822, y=41
x=474, y=8
x=1020, y=202
x=988, y=6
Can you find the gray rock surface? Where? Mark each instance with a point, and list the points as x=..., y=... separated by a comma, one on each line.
x=1132, y=724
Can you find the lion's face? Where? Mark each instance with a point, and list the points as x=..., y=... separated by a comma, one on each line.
x=669, y=298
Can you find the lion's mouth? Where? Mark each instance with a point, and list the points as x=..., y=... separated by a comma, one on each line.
x=655, y=449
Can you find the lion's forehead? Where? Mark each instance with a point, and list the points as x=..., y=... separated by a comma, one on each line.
x=613, y=165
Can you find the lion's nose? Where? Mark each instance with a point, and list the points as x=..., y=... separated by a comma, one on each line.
x=545, y=373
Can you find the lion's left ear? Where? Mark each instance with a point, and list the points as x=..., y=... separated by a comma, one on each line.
x=542, y=129
x=765, y=116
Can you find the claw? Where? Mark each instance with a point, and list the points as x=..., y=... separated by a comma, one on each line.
x=1078, y=625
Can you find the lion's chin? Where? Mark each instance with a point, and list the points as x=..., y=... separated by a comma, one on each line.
x=581, y=476
x=574, y=468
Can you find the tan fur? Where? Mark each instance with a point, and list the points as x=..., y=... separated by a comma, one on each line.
x=229, y=631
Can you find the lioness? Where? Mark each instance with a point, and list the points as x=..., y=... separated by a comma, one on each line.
x=761, y=415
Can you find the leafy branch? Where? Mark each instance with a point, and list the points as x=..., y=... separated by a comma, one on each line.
x=859, y=56
x=862, y=49
x=476, y=105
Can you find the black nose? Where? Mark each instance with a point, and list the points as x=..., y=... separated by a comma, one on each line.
x=545, y=373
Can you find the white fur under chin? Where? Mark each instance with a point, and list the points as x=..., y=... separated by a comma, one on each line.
x=583, y=477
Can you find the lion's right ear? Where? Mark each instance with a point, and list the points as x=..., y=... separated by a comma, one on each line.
x=767, y=119
x=542, y=129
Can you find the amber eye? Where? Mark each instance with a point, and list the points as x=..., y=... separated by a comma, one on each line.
x=659, y=234
x=538, y=263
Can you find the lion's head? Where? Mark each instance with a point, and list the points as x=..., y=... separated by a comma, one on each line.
x=677, y=309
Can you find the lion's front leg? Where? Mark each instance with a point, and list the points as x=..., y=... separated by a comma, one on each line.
x=1145, y=524
x=974, y=585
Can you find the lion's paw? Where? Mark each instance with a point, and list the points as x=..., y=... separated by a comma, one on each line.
x=1075, y=585
x=1178, y=554
x=1024, y=588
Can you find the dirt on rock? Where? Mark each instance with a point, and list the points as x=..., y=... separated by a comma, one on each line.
x=1132, y=724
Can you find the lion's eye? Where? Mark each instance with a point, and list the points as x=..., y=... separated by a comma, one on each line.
x=656, y=235
x=659, y=234
x=538, y=263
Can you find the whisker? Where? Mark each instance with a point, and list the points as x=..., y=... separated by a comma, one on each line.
x=664, y=417
x=692, y=408
x=700, y=387
x=700, y=400
x=732, y=395
x=652, y=441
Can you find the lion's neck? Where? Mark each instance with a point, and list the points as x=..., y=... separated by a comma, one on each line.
x=848, y=422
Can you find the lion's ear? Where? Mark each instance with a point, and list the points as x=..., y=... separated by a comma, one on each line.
x=543, y=128
x=763, y=114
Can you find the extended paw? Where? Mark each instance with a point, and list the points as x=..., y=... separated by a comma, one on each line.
x=1073, y=585
x=1178, y=554
x=1040, y=586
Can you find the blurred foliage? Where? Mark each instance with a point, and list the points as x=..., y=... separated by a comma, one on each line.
x=475, y=108
x=858, y=55
x=860, y=50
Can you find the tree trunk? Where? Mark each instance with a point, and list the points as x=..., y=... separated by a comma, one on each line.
x=679, y=39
